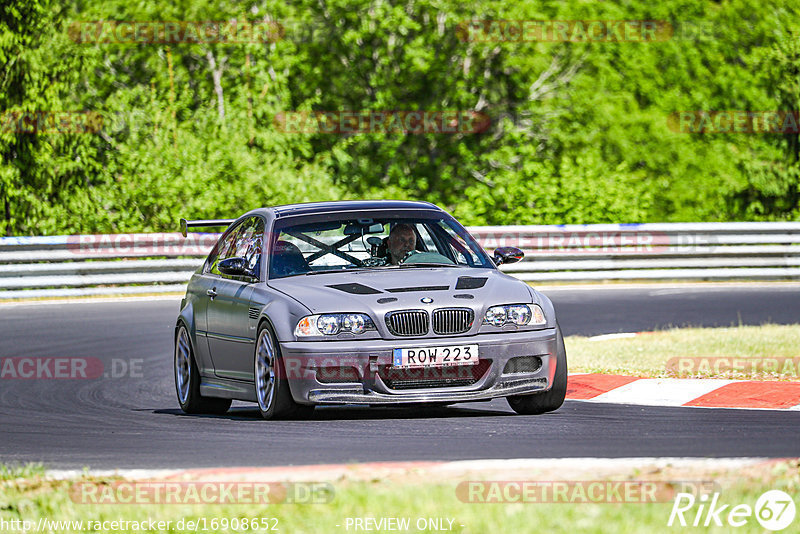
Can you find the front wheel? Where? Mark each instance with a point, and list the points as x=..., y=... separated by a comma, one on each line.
x=187, y=380
x=271, y=381
x=551, y=399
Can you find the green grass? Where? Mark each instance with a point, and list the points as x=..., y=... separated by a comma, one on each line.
x=34, y=497
x=11, y=472
x=769, y=352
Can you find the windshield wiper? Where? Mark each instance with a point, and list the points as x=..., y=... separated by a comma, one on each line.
x=325, y=271
x=427, y=264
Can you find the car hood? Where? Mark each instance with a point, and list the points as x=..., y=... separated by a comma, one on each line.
x=417, y=288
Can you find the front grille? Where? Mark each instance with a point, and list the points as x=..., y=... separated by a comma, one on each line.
x=452, y=320
x=407, y=322
x=433, y=377
x=523, y=364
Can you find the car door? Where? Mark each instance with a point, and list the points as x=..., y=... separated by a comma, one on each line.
x=202, y=287
x=230, y=340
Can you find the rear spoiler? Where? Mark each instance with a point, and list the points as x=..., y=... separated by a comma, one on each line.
x=203, y=223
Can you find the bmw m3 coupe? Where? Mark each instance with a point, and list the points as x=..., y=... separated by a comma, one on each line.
x=361, y=302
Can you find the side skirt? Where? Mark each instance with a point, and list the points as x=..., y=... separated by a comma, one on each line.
x=227, y=389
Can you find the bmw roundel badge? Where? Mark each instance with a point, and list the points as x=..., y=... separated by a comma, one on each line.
x=426, y=300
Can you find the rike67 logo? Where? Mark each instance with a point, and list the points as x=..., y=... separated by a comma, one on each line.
x=774, y=510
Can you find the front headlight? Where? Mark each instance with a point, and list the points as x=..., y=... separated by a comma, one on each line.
x=496, y=316
x=517, y=314
x=355, y=323
x=331, y=324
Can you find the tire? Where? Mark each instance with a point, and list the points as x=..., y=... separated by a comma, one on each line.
x=187, y=380
x=551, y=399
x=271, y=384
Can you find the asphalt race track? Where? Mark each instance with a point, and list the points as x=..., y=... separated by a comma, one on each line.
x=133, y=420
x=592, y=312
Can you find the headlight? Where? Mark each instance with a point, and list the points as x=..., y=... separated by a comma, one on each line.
x=330, y=324
x=355, y=322
x=518, y=314
x=496, y=315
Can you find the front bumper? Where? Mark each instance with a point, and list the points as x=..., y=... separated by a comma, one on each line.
x=306, y=361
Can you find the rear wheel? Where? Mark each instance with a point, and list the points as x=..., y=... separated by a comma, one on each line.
x=271, y=381
x=551, y=399
x=187, y=380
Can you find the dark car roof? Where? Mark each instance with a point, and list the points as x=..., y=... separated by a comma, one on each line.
x=349, y=205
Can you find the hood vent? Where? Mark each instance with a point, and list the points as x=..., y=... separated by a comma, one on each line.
x=418, y=288
x=356, y=289
x=470, y=282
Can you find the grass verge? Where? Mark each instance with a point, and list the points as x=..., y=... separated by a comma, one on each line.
x=767, y=352
x=31, y=496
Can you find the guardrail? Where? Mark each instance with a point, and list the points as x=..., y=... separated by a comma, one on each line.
x=668, y=251
x=154, y=263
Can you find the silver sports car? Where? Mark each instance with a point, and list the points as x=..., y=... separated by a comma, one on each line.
x=361, y=302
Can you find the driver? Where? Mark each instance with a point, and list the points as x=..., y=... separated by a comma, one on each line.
x=402, y=240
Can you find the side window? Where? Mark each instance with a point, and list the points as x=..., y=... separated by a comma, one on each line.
x=221, y=251
x=244, y=241
x=250, y=244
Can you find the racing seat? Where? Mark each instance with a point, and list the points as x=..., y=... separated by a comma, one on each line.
x=287, y=260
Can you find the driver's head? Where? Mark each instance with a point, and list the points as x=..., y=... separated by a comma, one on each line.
x=402, y=240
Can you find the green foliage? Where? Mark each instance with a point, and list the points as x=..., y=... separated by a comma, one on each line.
x=30, y=470
x=39, y=172
x=579, y=131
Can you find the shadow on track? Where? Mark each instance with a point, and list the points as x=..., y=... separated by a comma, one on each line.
x=355, y=413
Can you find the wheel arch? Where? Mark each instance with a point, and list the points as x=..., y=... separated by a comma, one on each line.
x=186, y=317
x=294, y=388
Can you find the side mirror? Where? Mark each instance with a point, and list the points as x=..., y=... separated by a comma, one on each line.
x=234, y=267
x=507, y=255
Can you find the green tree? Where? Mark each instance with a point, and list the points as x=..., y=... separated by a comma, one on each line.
x=579, y=131
x=40, y=172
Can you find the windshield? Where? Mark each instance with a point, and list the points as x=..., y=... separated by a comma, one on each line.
x=333, y=243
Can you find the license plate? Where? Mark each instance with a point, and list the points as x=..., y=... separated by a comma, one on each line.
x=436, y=356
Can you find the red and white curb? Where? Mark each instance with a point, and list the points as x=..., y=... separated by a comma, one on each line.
x=695, y=392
